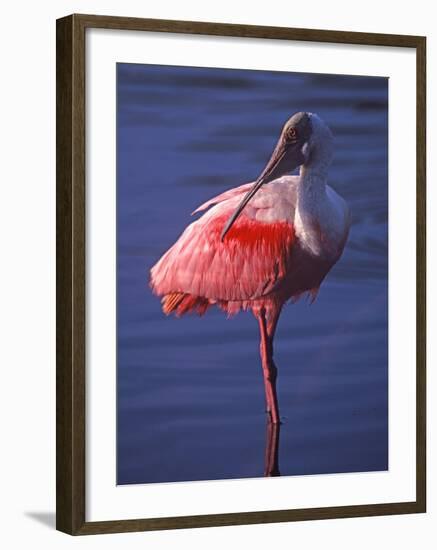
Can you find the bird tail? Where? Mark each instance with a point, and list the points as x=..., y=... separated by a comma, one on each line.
x=180, y=303
x=170, y=302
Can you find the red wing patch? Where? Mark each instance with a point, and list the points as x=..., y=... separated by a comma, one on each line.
x=247, y=265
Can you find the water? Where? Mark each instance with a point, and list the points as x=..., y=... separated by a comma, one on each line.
x=190, y=391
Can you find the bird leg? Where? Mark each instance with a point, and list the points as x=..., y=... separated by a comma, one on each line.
x=271, y=459
x=267, y=331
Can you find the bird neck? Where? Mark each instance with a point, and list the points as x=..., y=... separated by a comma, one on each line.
x=310, y=212
x=311, y=194
x=312, y=182
x=314, y=172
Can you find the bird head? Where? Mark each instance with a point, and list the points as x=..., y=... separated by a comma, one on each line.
x=293, y=149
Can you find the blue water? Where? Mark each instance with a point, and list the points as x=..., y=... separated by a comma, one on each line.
x=190, y=397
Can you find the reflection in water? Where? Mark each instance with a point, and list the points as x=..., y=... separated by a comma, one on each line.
x=271, y=460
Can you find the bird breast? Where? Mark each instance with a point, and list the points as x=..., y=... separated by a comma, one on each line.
x=321, y=224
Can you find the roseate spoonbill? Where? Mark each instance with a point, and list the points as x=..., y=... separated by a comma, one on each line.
x=263, y=243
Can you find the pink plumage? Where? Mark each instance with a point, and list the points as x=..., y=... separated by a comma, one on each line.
x=243, y=271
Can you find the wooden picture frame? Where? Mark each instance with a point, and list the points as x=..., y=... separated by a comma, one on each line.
x=71, y=253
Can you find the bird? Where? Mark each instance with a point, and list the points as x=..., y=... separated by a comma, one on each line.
x=262, y=244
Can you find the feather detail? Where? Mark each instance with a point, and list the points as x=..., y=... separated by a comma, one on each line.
x=180, y=303
x=249, y=264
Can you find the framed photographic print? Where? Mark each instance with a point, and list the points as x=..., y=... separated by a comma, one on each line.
x=240, y=274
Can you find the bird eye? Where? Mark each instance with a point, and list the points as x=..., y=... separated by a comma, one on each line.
x=291, y=133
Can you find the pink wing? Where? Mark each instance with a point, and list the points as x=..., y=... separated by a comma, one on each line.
x=249, y=264
x=229, y=194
